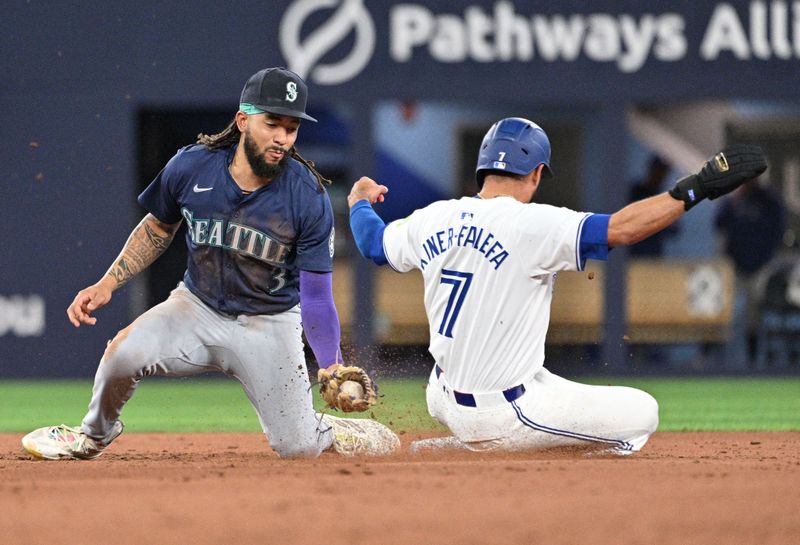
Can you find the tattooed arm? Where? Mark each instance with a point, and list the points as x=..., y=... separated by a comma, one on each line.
x=145, y=244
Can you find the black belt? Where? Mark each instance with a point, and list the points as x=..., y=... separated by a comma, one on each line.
x=468, y=400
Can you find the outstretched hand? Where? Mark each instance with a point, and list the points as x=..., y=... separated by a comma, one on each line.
x=366, y=188
x=730, y=168
x=87, y=301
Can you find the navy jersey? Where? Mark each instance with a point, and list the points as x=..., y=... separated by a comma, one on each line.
x=245, y=250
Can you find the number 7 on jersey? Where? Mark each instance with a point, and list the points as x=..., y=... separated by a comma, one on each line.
x=459, y=282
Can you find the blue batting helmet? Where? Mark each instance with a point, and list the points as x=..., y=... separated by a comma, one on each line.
x=513, y=145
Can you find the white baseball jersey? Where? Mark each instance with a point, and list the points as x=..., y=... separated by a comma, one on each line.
x=487, y=262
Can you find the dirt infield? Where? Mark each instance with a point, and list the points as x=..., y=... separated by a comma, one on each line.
x=198, y=489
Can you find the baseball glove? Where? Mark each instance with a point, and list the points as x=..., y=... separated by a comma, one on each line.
x=721, y=174
x=330, y=380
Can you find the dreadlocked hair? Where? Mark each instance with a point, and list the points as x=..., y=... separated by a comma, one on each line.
x=321, y=180
x=230, y=136
x=223, y=139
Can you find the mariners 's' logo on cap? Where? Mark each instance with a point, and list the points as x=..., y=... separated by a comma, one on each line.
x=291, y=91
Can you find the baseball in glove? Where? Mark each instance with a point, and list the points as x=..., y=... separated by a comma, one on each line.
x=727, y=170
x=330, y=383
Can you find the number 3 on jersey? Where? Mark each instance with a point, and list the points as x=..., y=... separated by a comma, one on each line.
x=459, y=282
x=280, y=279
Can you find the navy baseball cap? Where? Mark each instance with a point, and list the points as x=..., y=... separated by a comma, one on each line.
x=275, y=90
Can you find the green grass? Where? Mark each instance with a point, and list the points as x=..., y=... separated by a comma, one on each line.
x=723, y=404
x=185, y=405
x=687, y=404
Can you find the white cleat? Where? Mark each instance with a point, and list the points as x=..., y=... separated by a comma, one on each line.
x=361, y=437
x=64, y=442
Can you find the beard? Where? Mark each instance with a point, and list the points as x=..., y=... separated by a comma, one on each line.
x=258, y=164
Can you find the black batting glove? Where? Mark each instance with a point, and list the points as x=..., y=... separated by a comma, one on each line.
x=727, y=170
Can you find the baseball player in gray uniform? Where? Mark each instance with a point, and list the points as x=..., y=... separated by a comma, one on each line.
x=260, y=239
x=489, y=265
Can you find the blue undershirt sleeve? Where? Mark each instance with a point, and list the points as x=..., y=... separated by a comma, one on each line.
x=367, y=228
x=593, y=243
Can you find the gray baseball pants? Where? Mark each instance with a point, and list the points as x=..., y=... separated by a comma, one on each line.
x=184, y=337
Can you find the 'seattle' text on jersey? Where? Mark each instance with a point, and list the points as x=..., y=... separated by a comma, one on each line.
x=236, y=237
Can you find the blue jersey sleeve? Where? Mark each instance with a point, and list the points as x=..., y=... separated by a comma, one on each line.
x=316, y=237
x=593, y=242
x=367, y=228
x=159, y=197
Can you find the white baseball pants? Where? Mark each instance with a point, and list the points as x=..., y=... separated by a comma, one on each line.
x=552, y=412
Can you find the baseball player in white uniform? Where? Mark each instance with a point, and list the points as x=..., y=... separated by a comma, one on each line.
x=489, y=266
